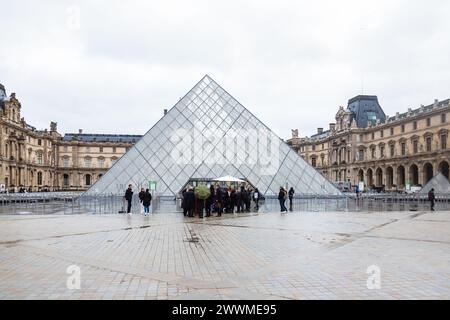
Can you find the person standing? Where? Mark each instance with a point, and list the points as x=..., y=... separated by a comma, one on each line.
x=244, y=199
x=431, y=198
x=146, y=202
x=183, y=202
x=141, y=199
x=248, y=199
x=256, y=198
x=291, y=197
x=232, y=200
x=238, y=202
x=129, y=197
x=219, y=203
x=282, y=199
x=190, y=201
x=209, y=201
x=226, y=200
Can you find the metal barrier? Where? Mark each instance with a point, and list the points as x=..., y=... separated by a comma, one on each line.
x=76, y=203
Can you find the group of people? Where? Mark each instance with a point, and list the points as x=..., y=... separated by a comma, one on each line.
x=145, y=199
x=283, y=195
x=220, y=200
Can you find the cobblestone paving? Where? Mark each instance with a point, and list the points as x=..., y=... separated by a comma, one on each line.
x=265, y=256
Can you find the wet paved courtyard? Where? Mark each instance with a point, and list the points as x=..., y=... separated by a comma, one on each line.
x=316, y=255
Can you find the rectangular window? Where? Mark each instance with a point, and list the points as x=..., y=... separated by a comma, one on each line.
x=403, y=128
x=415, y=146
x=313, y=148
x=66, y=162
x=361, y=155
x=392, y=131
x=114, y=149
x=382, y=133
x=101, y=149
x=403, y=149
x=443, y=141
x=382, y=152
x=39, y=142
x=66, y=148
x=313, y=162
x=415, y=125
x=392, y=150
x=87, y=163
x=428, y=122
x=373, y=153
x=39, y=158
x=443, y=118
x=101, y=163
x=429, y=144
x=373, y=135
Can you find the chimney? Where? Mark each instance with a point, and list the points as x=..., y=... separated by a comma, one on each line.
x=165, y=111
x=80, y=131
x=332, y=127
x=319, y=130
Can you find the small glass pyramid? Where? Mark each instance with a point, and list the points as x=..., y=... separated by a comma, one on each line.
x=206, y=135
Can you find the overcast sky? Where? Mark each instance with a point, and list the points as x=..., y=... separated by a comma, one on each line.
x=291, y=63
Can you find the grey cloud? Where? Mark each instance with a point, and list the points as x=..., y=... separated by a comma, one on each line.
x=292, y=63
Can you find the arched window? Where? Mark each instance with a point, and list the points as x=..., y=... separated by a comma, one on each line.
x=39, y=178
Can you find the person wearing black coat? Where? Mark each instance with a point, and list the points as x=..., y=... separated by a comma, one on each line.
x=209, y=201
x=282, y=199
x=189, y=202
x=431, y=198
x=183, y=202
x=141, y=199
x=226, y=200
x=291, y=197
x=232, y=200
x=129, y=197
x=219, y=201
x=146, y=201
x=238, y=202
x=245, y=200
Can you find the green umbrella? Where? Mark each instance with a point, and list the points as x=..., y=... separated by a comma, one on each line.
x=202, y=192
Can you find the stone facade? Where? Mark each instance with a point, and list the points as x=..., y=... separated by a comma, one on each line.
x=393, y=153
x=38, y=160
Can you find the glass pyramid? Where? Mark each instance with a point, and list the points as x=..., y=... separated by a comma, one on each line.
x=209, y=134
x=439, y=183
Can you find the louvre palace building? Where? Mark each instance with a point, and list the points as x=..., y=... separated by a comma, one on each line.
x=45, y=160
x=391, y=153
x=364, y=144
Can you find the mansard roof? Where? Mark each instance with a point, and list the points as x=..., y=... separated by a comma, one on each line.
x=116, y=138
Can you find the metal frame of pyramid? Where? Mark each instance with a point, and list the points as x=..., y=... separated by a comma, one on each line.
x=209, y=134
